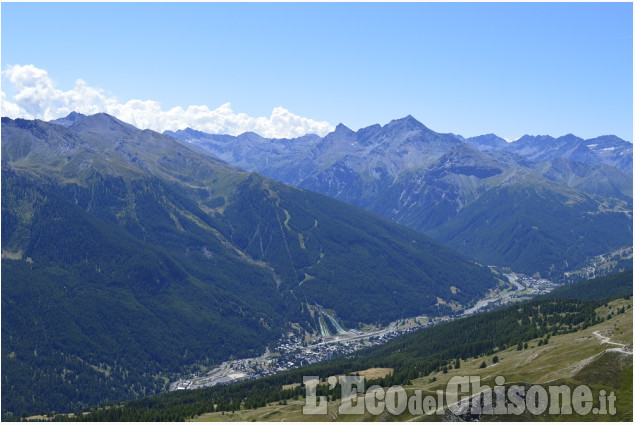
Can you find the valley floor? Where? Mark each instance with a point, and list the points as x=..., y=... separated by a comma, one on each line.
x=292, y=351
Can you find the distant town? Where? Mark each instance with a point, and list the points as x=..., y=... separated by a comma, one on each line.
x=292, y=351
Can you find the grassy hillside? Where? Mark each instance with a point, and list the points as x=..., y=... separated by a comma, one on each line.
x=574, y=359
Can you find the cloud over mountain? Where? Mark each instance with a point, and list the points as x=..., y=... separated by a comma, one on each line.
x=37, y=97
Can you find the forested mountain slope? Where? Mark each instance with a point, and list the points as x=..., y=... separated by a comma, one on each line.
x=128, y=257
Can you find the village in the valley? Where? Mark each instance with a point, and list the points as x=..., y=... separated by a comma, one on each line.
x=292, y=351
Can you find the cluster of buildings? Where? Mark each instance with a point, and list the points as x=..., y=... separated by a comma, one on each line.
x=291, y=352
x=537, y=286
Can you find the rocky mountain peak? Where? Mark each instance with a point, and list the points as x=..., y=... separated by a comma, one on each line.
x=68, y=120
x=407, y=123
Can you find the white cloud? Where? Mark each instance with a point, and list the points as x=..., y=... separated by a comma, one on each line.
x=38, y=97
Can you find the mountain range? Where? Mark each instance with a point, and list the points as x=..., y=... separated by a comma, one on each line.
x=539, y=205
x=129, y=257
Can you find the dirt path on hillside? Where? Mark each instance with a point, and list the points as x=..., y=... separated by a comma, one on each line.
x=622, y=348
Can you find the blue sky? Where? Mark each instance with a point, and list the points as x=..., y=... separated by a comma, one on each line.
x=509, y=69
